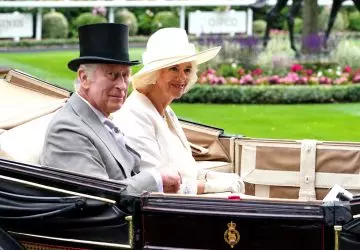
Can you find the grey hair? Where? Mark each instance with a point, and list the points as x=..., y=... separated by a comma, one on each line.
x=151, y=78
x=89, y=69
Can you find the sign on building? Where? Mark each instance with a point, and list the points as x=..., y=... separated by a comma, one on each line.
x=217, y=22
x=16, y=25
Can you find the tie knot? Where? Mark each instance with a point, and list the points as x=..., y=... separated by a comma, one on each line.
x=112, y=126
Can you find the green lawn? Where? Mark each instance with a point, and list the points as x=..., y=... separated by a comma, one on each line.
x=323, y=122
x=50, y=66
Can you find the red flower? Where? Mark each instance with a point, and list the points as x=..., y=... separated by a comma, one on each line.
x=308, y=72
x=347, y=69
x=256, y=72
x=296, y=68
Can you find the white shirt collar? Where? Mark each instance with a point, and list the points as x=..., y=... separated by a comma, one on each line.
x=100, y=115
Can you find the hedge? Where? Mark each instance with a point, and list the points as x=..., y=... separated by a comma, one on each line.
x=272, y=94
x=57, y=42
x=64, y=42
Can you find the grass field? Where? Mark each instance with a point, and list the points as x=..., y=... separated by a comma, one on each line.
x=323, y=122
x=50, y=66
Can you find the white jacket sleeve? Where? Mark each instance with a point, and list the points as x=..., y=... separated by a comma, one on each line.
x=140, y=135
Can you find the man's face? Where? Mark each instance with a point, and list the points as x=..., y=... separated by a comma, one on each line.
x=106, y=89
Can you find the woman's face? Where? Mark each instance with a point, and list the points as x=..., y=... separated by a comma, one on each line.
x=173, y=80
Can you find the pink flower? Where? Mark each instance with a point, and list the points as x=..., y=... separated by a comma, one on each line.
x=325, y=80
x=241, y=71
x=296, y=68
x=233, y=80
x=302, y=80
x=341, y=80
x=291, y=78
x=203, y=79
x=99, y=11
x=274, y=79
x=308, y=72
x=213, y=79
x=262, y=80
x=247, y=80
x=257, y=72
x=211, y=71
x=356, y=78
x=347, y=69
x=221, y=80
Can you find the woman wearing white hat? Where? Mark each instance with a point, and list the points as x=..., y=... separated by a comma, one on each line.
x=149, y=124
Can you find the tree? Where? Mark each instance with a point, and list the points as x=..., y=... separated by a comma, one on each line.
x=310, y=27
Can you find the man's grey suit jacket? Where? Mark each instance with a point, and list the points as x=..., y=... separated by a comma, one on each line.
x=76, y=140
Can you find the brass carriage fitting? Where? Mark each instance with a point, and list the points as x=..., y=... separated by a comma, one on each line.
x=129, y=219
x=337, y=230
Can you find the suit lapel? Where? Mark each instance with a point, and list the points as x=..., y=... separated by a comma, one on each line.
x=93, y=122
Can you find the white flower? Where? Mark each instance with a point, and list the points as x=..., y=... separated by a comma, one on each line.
x=320, y=73
x=149, y=13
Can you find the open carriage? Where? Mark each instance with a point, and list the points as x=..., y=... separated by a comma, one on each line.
x=47, y=208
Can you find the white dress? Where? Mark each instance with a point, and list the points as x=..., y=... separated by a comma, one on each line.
x=160, y=142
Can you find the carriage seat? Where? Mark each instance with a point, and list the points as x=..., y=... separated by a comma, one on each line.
x=25, y=142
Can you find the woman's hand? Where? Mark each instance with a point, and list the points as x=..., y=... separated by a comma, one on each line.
x=218, y=182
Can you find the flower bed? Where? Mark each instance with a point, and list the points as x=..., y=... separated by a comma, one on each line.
x=300, y=85
x=297, y=75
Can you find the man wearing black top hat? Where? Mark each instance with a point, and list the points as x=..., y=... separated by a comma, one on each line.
x=81, y=137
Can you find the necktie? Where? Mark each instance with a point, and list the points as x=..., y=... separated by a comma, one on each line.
x=123, y=147
x=115, y=132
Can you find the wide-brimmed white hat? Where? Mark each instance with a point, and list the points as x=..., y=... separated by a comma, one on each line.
x=167, y=47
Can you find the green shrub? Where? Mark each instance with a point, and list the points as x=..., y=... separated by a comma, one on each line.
x=227, y=70
x=222, y=8
x=345, y=16
x=126, y=17
x=354, y=21
x=298, y=25
x=56, y=42
x=339, y=25
x=275, y=94
x=88, y=18
x=164, y=19
x=259, y=27
x=319, y=65
x=347, y=53
x=55, y=25
x=277, y=57
x=145, y=21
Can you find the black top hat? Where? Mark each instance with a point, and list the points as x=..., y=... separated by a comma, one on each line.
x=103, y=43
